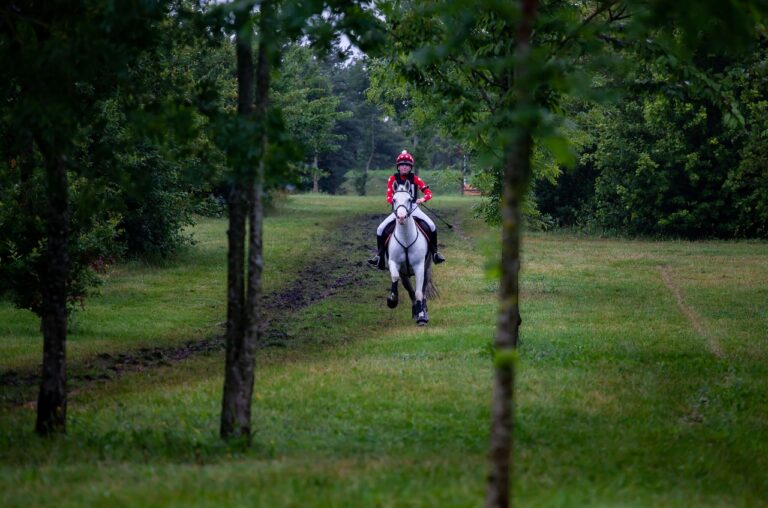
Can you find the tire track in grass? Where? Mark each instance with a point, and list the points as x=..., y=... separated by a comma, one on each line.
x=331, y=271
x=700, y=406
x=712, y=342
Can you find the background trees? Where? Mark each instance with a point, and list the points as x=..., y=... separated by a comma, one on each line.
x=62, y=61
x=304, y=94
x=670, y=157
x=501, y=86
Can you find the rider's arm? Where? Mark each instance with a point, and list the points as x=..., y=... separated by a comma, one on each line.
x=390, y=189
x=423, y=187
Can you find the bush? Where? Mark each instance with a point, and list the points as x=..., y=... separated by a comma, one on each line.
x=93, y=245
x=156, y=208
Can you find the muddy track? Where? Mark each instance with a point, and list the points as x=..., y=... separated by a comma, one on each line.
x=323, y=277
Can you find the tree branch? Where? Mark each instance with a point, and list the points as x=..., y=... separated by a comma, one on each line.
x=606, y=7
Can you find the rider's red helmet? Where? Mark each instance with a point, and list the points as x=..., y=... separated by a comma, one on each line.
x=404, y=158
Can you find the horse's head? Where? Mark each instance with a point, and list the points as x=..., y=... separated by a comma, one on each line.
x=402, y=202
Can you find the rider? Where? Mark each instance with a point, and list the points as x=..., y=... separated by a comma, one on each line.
x=404, y=164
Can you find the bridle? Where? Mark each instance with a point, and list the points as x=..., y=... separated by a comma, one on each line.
x=408, y=209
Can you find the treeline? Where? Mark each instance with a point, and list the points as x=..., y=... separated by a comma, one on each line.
x=679, y=151
x=135, y=183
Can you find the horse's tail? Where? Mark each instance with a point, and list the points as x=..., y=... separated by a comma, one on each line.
x=430, y=290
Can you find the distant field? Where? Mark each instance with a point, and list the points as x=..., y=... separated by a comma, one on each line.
x=441, y=182
x=643, y=379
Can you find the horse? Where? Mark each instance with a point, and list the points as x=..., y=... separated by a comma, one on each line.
x=408, y=252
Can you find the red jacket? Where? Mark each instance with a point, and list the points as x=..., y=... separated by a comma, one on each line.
x=423, y=187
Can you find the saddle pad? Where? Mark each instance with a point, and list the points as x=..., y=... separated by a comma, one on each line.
x=390, y=228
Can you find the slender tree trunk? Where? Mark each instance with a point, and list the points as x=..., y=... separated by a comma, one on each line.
x=463, y=172
x=253, y=312
x=370, y=157
x=415, y=143
x=238, y=379
x=517, y=171
x=52, y=400
x=315, y=175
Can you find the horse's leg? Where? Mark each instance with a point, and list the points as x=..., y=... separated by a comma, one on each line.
x=419, y=287
x=421, y=304
x=395, y=273
x=424, y=291
x=408, y=287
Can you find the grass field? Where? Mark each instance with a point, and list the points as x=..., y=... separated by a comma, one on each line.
x=643, y=380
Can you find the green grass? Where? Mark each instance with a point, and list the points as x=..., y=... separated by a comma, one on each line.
x=621, y=401
x=143, y=305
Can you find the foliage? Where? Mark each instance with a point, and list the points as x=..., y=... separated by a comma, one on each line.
x=451, y=64
x=63, y=62
x=680, y=155
x=93, y=246
x=370, y=138
x=209, y=205
x=161, y=149
x=303, y=93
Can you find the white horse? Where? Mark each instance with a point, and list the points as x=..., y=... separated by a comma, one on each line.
x=409, y=255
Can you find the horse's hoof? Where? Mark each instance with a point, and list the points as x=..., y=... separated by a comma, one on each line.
x=391, y=303
x=422, y=323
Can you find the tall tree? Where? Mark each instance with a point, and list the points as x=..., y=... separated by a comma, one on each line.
x=370, y=136
x=517, y=174
x=304, y=93
x=61, y=58
x=252, y=141
x=500, y=85
x=243, y=304
x=479, y=69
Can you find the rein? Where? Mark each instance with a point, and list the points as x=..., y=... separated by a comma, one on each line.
x=409, y=211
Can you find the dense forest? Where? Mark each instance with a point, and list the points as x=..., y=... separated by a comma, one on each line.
x=658, y=144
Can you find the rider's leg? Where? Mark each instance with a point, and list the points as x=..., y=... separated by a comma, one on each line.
x=436, y=256
x=378, y=259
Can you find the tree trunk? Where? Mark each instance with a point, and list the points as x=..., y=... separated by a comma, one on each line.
x=238, y=378
x=315, y=175
x=463, y=172
x=517, y=171
x=52, y=400
x=370, y=157
x=415, y=143
x=253, y=309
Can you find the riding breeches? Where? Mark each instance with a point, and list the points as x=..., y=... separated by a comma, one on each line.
x=417, y=213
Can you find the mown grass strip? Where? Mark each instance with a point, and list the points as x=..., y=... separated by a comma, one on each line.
x=620, y=402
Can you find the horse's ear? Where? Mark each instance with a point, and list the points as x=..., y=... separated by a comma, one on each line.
x=407, y=186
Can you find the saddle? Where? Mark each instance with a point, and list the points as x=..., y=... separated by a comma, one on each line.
x=420, y=223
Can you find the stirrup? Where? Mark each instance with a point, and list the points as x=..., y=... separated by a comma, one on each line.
x=377, y=262
x=438, y=258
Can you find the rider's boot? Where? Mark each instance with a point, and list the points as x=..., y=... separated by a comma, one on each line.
x=378, y=259
x=436, y=257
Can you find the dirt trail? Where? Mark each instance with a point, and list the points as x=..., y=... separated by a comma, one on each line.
x=690, y=313
x=320, y=279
